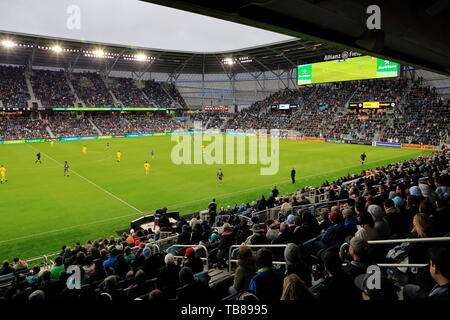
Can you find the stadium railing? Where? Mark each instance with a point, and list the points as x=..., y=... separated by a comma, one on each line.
x=397, y=241
x=193, y=246
x=46, y=261
x=268, y=246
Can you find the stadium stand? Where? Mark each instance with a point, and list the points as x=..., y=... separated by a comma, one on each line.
x=66, y=126
x=22, y=128
x=51, y=88
x=91, y=89
x=13, y=89
x=157, y=94
x=125, y=91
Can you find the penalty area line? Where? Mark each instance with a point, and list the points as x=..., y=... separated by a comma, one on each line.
x=92, y=183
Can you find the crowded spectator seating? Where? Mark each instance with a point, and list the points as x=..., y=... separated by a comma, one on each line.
x=63, y=125
x=157, y=94
x=126, y=91
x=17, y=128
x=91, y=89
x=13, y=88
x=52, y=88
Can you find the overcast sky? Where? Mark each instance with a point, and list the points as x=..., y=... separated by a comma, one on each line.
x=130, y=22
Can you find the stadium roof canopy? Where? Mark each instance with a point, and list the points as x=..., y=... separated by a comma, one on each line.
x=412, y=32
x=59, y=53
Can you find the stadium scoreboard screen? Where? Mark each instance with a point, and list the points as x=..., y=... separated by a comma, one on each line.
x=371, y=105
x=357, y=68
x=283, y=106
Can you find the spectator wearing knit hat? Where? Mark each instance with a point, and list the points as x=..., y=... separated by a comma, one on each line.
x=168, y=277
x=296, y=264
x=358, y=251
x=193, y=261
x=334, y=236
x=381, y=225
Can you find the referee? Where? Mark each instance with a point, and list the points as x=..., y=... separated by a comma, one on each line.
x=293, y=175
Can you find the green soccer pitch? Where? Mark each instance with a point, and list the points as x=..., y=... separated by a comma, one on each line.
x=40, y=209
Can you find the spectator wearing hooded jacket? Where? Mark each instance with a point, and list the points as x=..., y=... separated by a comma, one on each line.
x=295, y=263
x=381, y=225
x=267, y=284
x=246, y=269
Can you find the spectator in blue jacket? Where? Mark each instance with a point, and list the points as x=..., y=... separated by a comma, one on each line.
x=111, y=261
x=267, y=284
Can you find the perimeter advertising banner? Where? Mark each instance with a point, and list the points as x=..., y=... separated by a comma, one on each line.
x=418, y=147
x=34, y=140
x=89, y=138
x=387, y=144
x=314, y=139
x=13, y=141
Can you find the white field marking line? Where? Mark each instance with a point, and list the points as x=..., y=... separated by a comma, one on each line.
x=66, y=228
x=56, y=167
x=173, y=206
x=92, y=183
x=277, y=183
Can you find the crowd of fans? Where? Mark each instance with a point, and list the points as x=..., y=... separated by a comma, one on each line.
x=326, y=253
x=66, y=126
x=17, y=128
x=130, y=123
x=424, y=120
x=91, y=89
x=376, y=90
x=319, y=113
x=157, y=95
x=126, y=91
x=51, y=88
x=13, y=87
x=175, y=94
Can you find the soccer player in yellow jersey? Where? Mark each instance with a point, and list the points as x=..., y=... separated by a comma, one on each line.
x=203, y=148
x=178, y=141
x=147, y=168
x=118, y=156
x=3, y=174
x=84, y=149
x=52, y=144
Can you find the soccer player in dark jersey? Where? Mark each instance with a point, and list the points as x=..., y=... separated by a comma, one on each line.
x=152, y=153
x=220, y=175
x=293, y=175
x=66, y=169
x=363, y=158
x=38, y=158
